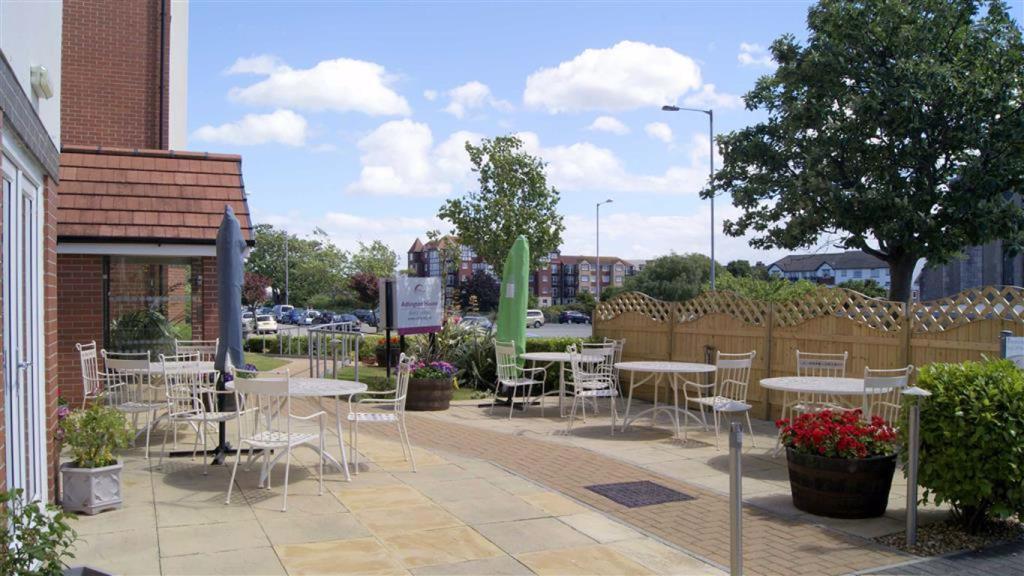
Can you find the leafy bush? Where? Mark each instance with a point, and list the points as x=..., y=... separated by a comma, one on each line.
x=94, y=435
x=972, y=439
x=771, y=290
x=35, y=537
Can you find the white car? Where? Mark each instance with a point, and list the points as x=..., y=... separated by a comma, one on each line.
x=265, y=324
x=534, y=318
x=248, y=321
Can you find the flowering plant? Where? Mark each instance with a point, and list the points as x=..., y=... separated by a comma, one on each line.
x=838, y=434
x=432, y=370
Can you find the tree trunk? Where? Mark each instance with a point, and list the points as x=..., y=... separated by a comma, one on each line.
x=901, y=278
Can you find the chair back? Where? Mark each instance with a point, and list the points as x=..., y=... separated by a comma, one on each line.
x=207, y=349
x=732, y=374
x=883, y=391
x=92, y=383
x=505, y=361
x=127, y=378
x=585, y=372
x=604, y=349
x=268, y=396
x=183, y=383
x=620, y=345
x=402, y=381
x=822, y=365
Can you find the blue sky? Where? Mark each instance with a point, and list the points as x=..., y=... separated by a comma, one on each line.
x=351, y=116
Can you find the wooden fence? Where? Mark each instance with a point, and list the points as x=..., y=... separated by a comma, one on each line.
x=875, y=333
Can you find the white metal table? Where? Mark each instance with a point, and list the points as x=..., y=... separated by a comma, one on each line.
x=320, y=388
x=157, y=368
x=821, y=385
x=562, y=358
x=656, y=370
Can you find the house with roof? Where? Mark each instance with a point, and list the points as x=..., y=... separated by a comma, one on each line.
x=832, y=268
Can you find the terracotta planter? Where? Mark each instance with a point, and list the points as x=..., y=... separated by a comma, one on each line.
x=91, y=490
x=840, y=488
x=429, y=394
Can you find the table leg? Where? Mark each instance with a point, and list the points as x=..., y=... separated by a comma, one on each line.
x=341, y=439
x=654, y=411
x=561, y=389
x=629, y=401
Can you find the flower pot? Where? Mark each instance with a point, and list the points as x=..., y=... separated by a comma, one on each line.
x=429, y=394
x=838, y=487
x=91, y=490
x=396, y=355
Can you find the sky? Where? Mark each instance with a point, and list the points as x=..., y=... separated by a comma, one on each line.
x=352, y=117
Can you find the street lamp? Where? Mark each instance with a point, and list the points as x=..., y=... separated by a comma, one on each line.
x=597, y=210
x=711, y=157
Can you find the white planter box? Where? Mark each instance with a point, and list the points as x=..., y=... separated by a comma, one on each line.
x=91, y=490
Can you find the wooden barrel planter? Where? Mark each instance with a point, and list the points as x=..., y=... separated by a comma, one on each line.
x=840, y=488
x=429, y=394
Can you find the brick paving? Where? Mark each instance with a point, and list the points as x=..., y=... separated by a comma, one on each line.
x=1005, y=559
x=772, y=544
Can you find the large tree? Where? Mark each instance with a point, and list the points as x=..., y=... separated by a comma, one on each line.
x=894, y=129
x=376, y=259
x=483, y=287
x=513, y=198
x=674, y=277
x=317, y=268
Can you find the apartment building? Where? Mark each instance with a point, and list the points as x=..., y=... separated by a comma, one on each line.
x=833, y=268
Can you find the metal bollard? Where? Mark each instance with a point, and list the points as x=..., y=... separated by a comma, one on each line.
x=735, y=499
x=914, y=395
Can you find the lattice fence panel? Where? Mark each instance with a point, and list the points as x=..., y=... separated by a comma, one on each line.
x=972, y=305
x=657, y=310
x=754, y=312
x=878, y=314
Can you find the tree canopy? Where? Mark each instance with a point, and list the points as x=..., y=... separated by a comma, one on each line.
x=674, y=277
x=318, y=269
x=483, y=288
x=376, y=259
x=895, y=129
x=513, y=198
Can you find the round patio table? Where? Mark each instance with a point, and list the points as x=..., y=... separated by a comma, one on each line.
x=818, y=385
x=562, y=358
x=157, y=368
x=656, y=370
x=320, y=388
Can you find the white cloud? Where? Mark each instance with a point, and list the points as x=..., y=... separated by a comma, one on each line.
x=399, y=159
x=709, y=98
x=755, y=55
x=628, y=75
x=473, y=95
x=340, y=85
x=430, y=95
x=659, y=131
x=280, y=126
x=608, y=124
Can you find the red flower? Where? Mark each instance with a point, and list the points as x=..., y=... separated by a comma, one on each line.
x=838, y=434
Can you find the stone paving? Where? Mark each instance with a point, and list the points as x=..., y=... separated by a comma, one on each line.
x=1003, y=560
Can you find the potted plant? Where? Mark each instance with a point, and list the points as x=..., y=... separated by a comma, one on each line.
x=839, y=465
x=92, y=480
x=431, y=385
x=381, y=352
x=35, y=537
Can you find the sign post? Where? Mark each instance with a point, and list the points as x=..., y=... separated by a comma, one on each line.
x=410, y=305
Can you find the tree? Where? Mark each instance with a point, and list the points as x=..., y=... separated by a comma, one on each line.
x=866, y=287
x=895, y=129
x=611, y=292
x=254, y=289
x=482, y=289
x=366, y=287
x=674, y=277
x=739, y=268
x=586, y=302
x=376, y=259
x=316, y=267
x=769, y=289
x=514, y=198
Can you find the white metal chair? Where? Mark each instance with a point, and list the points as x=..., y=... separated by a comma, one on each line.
x=729, y=396
x=513, y=376
x=129, y=389
x=590, y=384
x=191, y=399
x=395, y=400
x=92, y=380
x=207, y=349
x=267, y=396
x=821, y=365
x=606, y=351
x=883, y=392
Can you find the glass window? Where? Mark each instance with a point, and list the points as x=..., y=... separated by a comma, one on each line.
x=584, y=267
x=150, y=303
x=874, y=272
x=858, y=273
x=544, y=279
x=618, y=279
x=604, y=278
x=584, y=278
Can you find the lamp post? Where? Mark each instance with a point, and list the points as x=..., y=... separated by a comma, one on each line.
x=597, y=210
x=711, y=157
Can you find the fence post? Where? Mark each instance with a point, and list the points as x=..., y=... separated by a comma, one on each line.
x=735, y=498
x=908, y=329
x=672, y=324
x=770, y=323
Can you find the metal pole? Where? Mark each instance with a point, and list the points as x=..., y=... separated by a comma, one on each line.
x=355, y=362
x=914, y=396
x=735, y=499
x=711, y=151
x=597, y=219
x=287, y=292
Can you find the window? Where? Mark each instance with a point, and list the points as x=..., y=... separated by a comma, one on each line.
x=606, y=268
x=874, y=272
x=466, y=253
x=604, y=279
x=618, y=267
x=584, y=279
x=544, y=279
x=554, y=268
x=554, y=292
x=150, y=302
x=465, y=265
x=618, y=280
x=544, y=291
x=858, y=273
x=584, y=267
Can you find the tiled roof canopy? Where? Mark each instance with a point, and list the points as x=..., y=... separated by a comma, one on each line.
x=852, y=259
x=158, y=196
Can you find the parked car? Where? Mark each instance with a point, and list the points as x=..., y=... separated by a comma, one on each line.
x=348, y=318
x=534, y=318
x=368, y=317
x=481, y=322
x=573, y=317
x=265, y=324
x=264, y=310
x=302, y=317
x=281, y=312
x=248, y=321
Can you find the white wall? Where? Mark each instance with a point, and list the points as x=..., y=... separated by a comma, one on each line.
x=178, y=89
x=30, y=36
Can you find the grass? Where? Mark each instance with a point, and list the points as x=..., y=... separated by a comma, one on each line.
x=262, y=362
x=375, y=378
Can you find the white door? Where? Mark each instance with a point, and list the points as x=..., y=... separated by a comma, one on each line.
x=24, y=392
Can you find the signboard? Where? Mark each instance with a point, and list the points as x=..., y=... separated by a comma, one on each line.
x=412, y=305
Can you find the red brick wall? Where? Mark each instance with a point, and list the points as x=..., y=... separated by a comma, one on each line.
x=80, y=309
x=50, y=328
x=114, y=71
x=209, y=328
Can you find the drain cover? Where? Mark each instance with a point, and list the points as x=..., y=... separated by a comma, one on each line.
x=636, y=494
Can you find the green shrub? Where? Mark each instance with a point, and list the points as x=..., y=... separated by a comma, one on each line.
x=972, y=439
x=278, y=344
x=35, y=537
x=94, y=435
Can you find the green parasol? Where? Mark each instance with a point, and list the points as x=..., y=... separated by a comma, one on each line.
x=515, y=292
